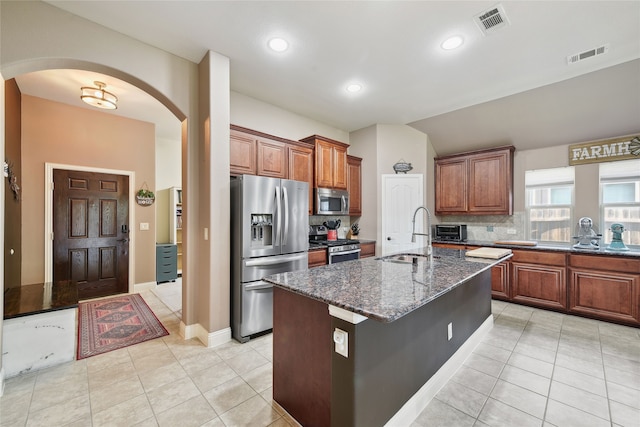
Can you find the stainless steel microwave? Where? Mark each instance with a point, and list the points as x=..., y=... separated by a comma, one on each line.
x=331, y=202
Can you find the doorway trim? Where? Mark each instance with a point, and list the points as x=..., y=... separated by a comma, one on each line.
x=48, y=216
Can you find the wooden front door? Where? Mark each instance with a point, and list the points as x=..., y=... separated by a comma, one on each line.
x=90, y=225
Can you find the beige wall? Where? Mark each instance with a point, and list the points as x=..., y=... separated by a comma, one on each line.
x=168, y=174
x=254, y=114
x=382, y=146
x=58, y=133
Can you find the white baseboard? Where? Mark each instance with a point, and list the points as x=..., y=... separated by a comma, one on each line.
x=1, y=381
x=139, y=287
x=419, y=401
x=209, y=339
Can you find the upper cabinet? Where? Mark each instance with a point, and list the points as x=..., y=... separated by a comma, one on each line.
x=256, y=153
x=242, y=153
x=301, y=167
x=475, y=183
x=330, y=162
x=354, y=180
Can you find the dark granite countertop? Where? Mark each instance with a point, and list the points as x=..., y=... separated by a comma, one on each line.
x=383, y=290
x=568, y=248
x=39, y=298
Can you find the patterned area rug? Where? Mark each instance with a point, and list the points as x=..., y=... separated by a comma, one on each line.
x=109, y=324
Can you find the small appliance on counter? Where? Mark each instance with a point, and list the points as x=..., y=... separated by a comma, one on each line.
x=339, y=250
x=616, y=241
x=449, y=232
x=586, y=235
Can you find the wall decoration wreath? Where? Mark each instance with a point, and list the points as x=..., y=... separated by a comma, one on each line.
x=144, y=196
x=13, y=180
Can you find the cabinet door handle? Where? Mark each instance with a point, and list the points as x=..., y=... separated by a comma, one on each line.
x=388, y=238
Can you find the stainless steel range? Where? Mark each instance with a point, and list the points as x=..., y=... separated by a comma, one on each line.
x=339, y=250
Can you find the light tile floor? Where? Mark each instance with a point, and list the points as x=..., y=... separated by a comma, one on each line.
x=535, y=368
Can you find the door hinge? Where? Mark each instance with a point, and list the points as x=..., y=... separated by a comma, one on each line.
x=53, y=235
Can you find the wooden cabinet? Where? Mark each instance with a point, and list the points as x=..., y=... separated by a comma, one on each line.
x=500, y=273
x=354, y=180
x=242, y=153
x=475, y=183
x=367, y=249
x=301, y=168
x=500, y=280
x=450, y=186
x=317, y=257
x=539, y=279
x=605, y=287
x=330, y=162
x=271, y=158
x=256, y=153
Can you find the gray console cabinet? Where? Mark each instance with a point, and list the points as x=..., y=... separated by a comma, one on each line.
x=166, y=262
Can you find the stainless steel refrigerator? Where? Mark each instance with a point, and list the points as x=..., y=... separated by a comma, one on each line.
x=269, y=235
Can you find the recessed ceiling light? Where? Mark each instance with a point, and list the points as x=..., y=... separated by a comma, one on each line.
x=278, y=44
x=354, y=87
x=452, y=43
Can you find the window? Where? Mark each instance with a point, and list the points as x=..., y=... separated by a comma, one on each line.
x=620, y=199
x=549, y=204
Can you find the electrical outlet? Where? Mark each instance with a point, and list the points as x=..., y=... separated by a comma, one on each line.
x=144, y=226
x=341, y=340
x=449, y=331
x=511, y=231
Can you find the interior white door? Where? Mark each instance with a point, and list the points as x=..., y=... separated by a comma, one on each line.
x=401, y=196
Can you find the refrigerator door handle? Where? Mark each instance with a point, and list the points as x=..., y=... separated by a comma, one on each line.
x=278, y=232
x=258, y=262
x=285, y=198
x=258, y=286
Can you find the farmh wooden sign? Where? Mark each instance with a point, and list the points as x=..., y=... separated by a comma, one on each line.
x=607, y=150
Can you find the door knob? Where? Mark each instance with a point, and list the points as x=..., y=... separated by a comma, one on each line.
x=122, y=240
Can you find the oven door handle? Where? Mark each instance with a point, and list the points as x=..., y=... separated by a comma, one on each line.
x=355, y=251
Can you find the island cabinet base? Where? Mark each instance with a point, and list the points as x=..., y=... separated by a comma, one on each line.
x=302, y=347
x=388, y=362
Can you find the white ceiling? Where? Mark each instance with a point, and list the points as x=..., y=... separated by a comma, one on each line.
x=494, y=89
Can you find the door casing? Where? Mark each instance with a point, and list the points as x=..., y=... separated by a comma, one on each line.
x=48, y=217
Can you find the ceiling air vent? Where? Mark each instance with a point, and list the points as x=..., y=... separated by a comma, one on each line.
x=491, y=20
x=572, y=59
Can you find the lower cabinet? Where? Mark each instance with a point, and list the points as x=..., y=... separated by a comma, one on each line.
x=540, y=279
x=317, y=257
x=367, y=249
x=500, y=281
x=610, y=292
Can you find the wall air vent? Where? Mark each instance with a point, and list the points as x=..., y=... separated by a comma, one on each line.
x=572, y=59
x=491, y=20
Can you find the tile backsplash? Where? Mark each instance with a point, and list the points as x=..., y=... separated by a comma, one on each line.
x=490, y=227
x=345, y=223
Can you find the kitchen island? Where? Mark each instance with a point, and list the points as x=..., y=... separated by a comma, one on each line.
x=401, y=326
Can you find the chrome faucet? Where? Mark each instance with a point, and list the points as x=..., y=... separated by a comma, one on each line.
x=414, y=234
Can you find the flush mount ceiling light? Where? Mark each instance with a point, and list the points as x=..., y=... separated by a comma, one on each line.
x=278, y=44
x=98, y=97
x=354, y=87
x=452, y=43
